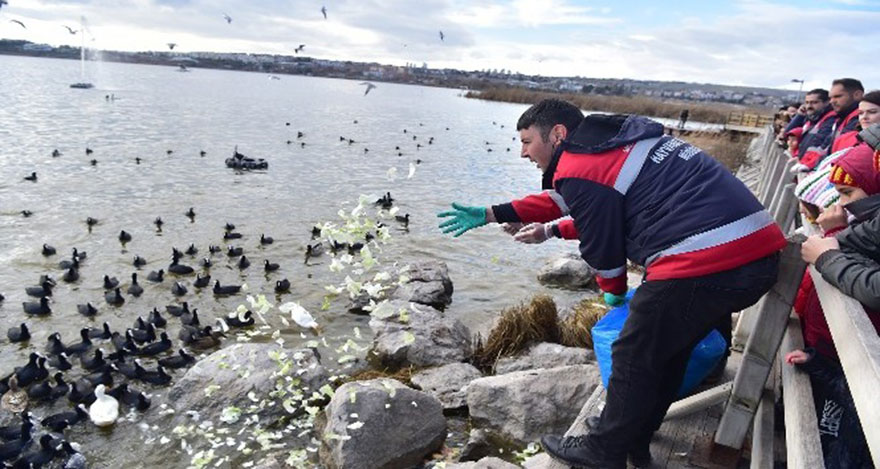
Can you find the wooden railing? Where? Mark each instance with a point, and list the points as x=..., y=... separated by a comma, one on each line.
x=748, y=119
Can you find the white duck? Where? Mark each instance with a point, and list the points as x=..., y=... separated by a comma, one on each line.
x=104, y=411
x=299, y=315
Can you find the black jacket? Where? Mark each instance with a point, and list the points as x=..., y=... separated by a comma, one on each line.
x=855, y=268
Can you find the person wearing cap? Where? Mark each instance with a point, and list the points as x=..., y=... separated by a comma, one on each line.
x=847, y=261
x=792, y=139
x=709, y=247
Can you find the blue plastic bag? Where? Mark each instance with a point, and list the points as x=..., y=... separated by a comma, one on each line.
x=703, y=359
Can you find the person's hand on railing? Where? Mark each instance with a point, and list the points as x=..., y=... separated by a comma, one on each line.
x=815, y=246
x=833, y=217
x=797, y=357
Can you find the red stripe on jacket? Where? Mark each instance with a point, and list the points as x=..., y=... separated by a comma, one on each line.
x=719, y=258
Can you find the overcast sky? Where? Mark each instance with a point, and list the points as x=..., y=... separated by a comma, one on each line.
x=744, y=42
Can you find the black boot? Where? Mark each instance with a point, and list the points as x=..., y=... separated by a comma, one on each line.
x=639, y=454
x=577, y=452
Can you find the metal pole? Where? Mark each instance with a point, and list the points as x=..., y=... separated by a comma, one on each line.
x=800, y=88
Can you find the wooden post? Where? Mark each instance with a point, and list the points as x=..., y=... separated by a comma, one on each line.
x=761, y=348
x=762, y=433
x=803, y=447
x=787, y=209
x=699, y=401
x=779, y=182
x=858, y=347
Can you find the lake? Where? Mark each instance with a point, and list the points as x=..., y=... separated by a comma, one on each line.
x=157, y=109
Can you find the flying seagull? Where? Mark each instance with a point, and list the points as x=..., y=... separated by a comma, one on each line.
x=71, y=30
x=227, y=18
x=171, y=45
x=300, y=48
x=324, y=11
x=19, y=22
x=369, y=87
x=441, y=35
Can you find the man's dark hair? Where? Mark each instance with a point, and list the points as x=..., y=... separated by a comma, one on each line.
x=823, y=94
x=794, y=105
x=850, y=85
x=547, y=114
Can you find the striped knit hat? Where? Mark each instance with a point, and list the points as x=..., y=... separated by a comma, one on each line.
x=815, y=188
x=856, y=169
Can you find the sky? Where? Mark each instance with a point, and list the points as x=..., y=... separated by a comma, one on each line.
x=742, y=42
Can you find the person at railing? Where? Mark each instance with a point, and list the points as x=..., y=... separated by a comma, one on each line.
x=792, y=140
x=858, y=186
x=817, y=124
x=709, y=247
x=844, y=96
x=868, y=113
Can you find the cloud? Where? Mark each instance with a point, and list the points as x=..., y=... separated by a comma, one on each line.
x=752, y=42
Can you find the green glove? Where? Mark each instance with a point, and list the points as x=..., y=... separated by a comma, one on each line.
x=464, y=218
x=614, y=300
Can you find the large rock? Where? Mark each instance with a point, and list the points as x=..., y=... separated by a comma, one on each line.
x=381, y=423
x=524, y=405
x=545, y=355
x=417, y=335
x=569, y=271
x=447, y=383
x=480, y=444
x=428, y=284
x=226, y=377
x=485, y=463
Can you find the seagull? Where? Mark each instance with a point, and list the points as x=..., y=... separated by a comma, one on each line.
x=369, y=87
x=324, y=11
x=442, y=35
x=300, y=48
x=227, y=18
x=19, y=22
x=72, y=31
x=171, y=45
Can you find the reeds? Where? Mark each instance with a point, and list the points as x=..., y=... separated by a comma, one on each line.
x=576, y=329
x=642, y=105
x=517, y=328
x=729, y=148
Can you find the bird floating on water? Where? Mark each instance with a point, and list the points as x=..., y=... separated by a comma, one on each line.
x=105, y=410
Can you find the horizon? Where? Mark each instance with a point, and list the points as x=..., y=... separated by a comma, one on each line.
x=735, y=44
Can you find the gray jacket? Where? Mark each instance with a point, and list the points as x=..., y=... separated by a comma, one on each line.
x=855, y=268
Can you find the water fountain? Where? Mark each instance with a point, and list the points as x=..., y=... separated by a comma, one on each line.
x=82, y=84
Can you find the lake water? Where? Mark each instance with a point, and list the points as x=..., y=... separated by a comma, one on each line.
x=158, y=109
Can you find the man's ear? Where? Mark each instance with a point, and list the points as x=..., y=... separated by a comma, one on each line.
x=559, y=131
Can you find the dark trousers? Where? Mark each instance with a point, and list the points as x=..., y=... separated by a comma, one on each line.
x=667, y=318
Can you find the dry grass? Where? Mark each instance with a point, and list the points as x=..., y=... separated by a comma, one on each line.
x=729, y=148
x=642, y=105
x=576, y=329
x=404, y=375
x=517, y=328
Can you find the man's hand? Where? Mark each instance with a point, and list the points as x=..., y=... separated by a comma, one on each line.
x=614, y=300
x=463, y=219
x=815, y=246
x=833, y=217
x=534, y=233
x=511, y=228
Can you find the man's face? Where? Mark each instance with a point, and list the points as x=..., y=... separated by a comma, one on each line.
x=791, y=111
x=814, y=104
x=841, y=98
x=535, y=148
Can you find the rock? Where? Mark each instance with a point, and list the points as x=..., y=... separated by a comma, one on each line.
x=524, y=405
x=545, y=355
x=447, y=383
x=422, y=336
x=538, y=461
x=478, y=446
x=235, y=371
x=356, y=305
x=569, y=271
x=395, y=426
x=485, y=463
x=428, y=284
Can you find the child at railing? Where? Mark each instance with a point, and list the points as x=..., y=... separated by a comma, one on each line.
x=845, y=260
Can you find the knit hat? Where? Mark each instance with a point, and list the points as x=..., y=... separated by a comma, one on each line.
x=856, y=168
x=816, y=189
